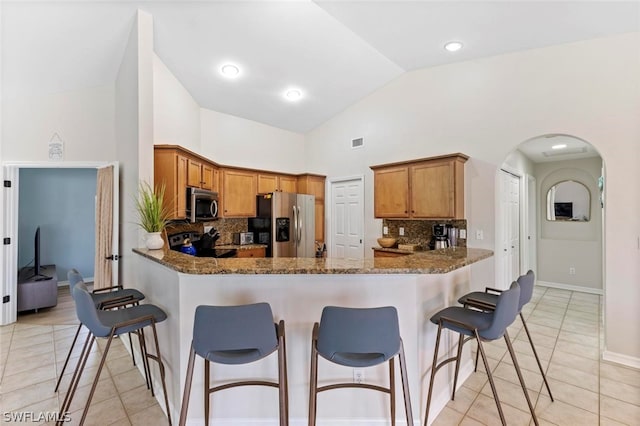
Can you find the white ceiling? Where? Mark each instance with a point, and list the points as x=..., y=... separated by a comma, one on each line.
x=539, y=150
x=336, y=52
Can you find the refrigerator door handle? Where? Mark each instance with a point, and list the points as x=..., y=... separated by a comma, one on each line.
x=299, y=226
x=295, y=225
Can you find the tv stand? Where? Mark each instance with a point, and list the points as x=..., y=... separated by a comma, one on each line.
x=37, y=291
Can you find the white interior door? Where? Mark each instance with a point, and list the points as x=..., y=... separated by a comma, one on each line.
x=115, y=234
x=347, y=219
x=531, y=233
x=509, y=250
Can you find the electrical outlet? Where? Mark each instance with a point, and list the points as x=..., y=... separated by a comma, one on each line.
x=462, y=234
x=358, y=375
x=479, y=234
x=385, y=230
x=401, y=231
x=572, y=270
x=207, y=229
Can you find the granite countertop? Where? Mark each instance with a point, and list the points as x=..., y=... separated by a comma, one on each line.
x=425, y=262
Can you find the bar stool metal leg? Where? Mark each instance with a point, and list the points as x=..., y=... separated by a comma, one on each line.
x=535, y=353
x=524, y=387
x=66, y=361
x=187, y=387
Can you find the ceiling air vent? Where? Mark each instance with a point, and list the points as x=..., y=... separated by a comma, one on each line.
x=357, y=143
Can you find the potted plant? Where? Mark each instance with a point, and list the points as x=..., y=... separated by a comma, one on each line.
x=152, y=214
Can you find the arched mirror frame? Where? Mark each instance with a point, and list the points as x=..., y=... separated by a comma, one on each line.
x=561, y=211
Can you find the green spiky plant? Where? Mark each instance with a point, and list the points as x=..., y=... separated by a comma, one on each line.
x=151, y=212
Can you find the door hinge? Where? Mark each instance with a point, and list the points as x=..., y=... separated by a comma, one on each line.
x=113, y=257
x=6, y=241
x=7, y=184
x=6, y=299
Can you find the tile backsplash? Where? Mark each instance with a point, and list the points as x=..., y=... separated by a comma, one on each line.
x=420, y=231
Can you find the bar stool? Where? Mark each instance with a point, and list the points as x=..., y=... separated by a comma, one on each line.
x=235, y=335
x=356, y=337
x=109, y=324
x=487, y=300
x=104, y=298
x=482, y=326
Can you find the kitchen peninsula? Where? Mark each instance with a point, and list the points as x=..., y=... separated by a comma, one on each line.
x=297, y=289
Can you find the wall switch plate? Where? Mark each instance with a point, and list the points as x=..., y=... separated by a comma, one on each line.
x=385, y=230
x=462, y=234
x=572, y=270
x=401, y=231
x=479, y=234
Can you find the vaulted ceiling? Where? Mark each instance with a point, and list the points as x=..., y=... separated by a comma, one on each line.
x=334, y=52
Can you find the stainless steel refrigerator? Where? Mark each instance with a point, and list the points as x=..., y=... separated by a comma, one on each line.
x=290, y=221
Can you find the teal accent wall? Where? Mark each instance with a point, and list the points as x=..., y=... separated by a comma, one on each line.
x=62, y=203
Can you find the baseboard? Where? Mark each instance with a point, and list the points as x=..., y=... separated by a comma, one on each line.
x=570, y=287
x=626, y=360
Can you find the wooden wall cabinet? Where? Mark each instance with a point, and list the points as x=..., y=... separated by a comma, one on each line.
x=202, y=175
x=315, y=185
x=170, y=169
x=239, y=190
x=429, y=188
x=268, y=182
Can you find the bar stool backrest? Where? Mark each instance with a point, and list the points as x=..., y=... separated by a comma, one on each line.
x=371, y=331
x=234, y=334
x=504, y=314
x=87, y=312
x=526, y=282
x=74, y=278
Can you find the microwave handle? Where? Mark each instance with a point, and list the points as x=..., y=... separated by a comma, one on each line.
x=214, y=208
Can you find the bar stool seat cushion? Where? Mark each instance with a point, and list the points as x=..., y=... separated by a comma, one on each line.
x=358, y=337
x=475, y=319
x=132, y=293
x=234, y=334
x=481, y=296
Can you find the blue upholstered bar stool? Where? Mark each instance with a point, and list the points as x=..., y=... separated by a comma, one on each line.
x=104, y=298
x=356, y=337
x=482, y=326
x=487, y=300
x=109, y=324
x=235, y=335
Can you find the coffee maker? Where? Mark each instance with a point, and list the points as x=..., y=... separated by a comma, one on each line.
x=439, y=237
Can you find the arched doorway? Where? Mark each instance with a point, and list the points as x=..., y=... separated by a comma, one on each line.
x=559, y=214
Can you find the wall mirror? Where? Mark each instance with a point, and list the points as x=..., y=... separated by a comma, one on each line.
x=568, y=201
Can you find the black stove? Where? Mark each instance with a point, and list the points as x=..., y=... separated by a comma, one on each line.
x=203, y=243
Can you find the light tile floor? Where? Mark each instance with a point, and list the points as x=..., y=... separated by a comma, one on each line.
x=565, y=327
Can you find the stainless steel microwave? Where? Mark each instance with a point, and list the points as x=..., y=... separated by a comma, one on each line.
x=201, y=204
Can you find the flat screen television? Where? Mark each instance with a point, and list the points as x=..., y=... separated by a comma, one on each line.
x=37, y=267
x=563, y=210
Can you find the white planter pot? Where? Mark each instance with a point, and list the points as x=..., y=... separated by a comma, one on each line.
x=154, y=240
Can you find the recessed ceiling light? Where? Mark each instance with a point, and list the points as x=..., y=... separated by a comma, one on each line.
x=230, y=70
x=293, y=94
x=453, y=46
x=559, y=146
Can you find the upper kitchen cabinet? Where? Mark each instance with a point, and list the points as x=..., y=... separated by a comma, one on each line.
x=202, y=174
x=428, y=188
x=314, y=185
x=268, y=182
x=239, y=190
x=179, y=168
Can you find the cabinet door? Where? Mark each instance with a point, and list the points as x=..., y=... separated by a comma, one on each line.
x=267, y=183
x=181, y=196
x=207, y=177
x=432, y=190
x=288, y=184
x=391, y=192
x=194, y=173
x=239, y=193
x=255, y=252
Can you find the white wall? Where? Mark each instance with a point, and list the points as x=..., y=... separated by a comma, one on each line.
x=485, y=108
x=176, y=114
x=235, y=141
x=84, y=120
x=561, y=244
